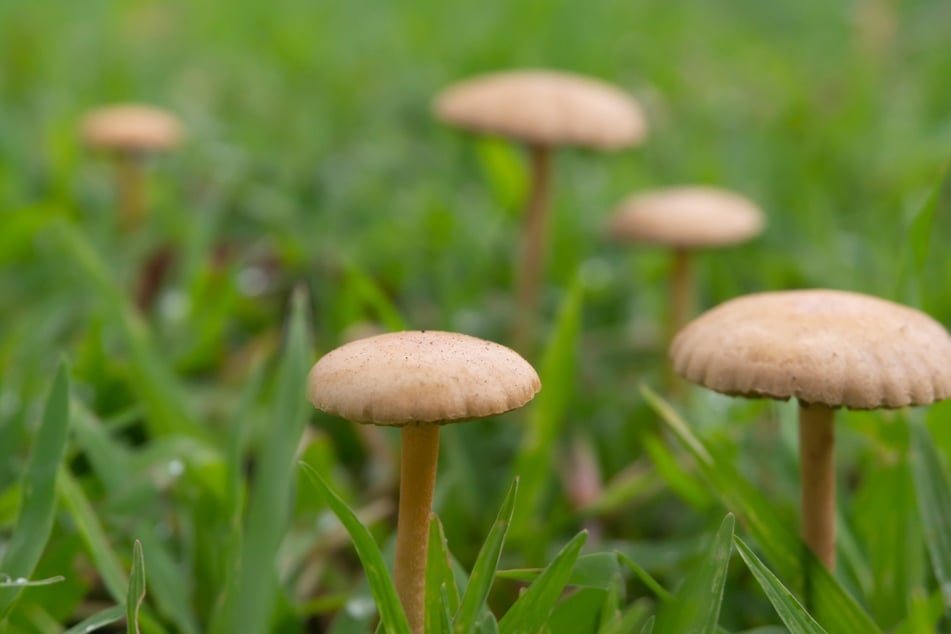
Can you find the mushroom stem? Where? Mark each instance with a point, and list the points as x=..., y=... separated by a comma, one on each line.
x=534, y=238
x=681, y=305
x=681, y=290
x=817, y=475
x=129, y=190
x=420, y=442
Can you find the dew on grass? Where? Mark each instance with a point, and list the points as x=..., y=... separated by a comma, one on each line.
x=175, y=468
x=361, y=607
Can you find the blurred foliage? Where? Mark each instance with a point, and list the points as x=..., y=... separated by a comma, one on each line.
x=313, y=162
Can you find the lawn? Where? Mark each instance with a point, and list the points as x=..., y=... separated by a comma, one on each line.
x=153, y=380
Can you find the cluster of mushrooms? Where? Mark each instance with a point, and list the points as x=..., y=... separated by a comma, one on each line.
x=828, y=349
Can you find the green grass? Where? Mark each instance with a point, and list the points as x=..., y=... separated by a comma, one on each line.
x=316, y=197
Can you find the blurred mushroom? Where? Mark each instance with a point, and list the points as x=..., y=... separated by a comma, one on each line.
x=130, y=132
x=827, y=349
x=684, y=219
x=419, y=380
x=542, y=109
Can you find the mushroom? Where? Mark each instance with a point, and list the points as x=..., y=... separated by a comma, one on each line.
x=827, y=349
x=419, y=380
x=130, y=131
x=543, y=109
x=685, y=218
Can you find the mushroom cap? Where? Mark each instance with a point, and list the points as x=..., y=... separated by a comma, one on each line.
x=423, y=376
x=686, y=217
x=544, y=107
x=836, y=348
x=133, y=127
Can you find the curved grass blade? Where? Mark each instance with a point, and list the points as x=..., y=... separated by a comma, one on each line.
x=649, y=626
x=442, y=593
x=94, y=535
x=793, y=615
x=597, y=570
x=370, y=294
x=136, y=589
x=834, y=607
x=696, y=607
x=531, y=611
x=483, y=571
x=98, y=620
x=21, y=582
x=933, y=491
x=392, y=617
x=37, y=509
x=645, y=577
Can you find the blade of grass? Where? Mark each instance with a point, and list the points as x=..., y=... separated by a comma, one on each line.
x=152, y=379
x=834, y=607
x=649, y=626
x=696, y=607
x=269, y=502
x=532, y=609
x=38, y=505
x=169, y=594
x=486, y=563
x=793, y=615
x=597, y=570
x=136, y=592
x=98, y=620
x=93, y=534
x=234, y=499
x=29, y=583
x=442, y=593
x=370, y=295
x=547, y=415
x=652, y=584
x=392, y=617
x=933, y=491
x=577, y=611
x=917, y=245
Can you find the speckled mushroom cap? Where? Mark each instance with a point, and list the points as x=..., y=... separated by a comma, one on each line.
x=686, y=217
x=133, y=127
x=837, y=348
x=421, y=376
x=544, y=107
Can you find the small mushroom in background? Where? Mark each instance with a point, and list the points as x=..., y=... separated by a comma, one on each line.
x=130, y=132
x=418, y=381
x=827, y=349
x=543, y=109
x=685, y=219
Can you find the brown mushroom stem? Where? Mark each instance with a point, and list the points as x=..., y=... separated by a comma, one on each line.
x=681, y=305
x=817, y=473
x=681, y=290
x=533, y=249
x=420, y=442
x=129, y=190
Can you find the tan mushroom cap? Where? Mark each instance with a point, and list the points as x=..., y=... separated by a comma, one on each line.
x=687, y=217
x=837, y=348
x=134, y=127
x=421, y=376
x=545, y=108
